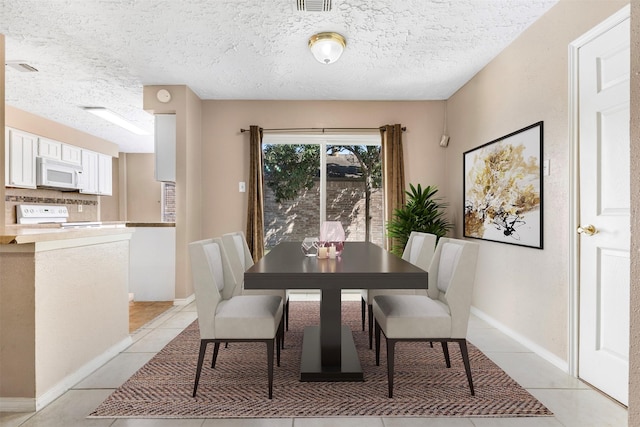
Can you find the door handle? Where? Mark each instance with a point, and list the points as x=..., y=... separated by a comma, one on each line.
x=589, y=230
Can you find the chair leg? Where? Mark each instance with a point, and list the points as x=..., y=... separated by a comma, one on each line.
x=279, y=340
x=391, y=344
x=370, y=308
x=377, y=327
x=203, y=350
x=216, y=347
x=270, y=366
x=445, y=350
x=286, y=318
x=467, y=365
x=363, y=308
x=283, y=322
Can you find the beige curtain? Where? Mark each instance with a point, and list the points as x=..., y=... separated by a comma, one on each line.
x=255, y=202
x=392, y=172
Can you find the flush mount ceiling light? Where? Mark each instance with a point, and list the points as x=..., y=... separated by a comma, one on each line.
x=327, y=47
x=115, y=119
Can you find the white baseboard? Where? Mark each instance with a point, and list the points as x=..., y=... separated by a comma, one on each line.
x=184, y=301
x=19, y=404
x=535, y=348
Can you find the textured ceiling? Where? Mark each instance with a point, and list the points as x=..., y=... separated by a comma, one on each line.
x=102, y=52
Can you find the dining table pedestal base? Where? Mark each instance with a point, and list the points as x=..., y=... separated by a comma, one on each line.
x=311, y=368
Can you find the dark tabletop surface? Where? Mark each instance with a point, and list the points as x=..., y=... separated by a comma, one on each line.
x=362, y=265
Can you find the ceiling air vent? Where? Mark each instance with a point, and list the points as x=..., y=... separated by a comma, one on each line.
x=314, y=5
x=21, y=66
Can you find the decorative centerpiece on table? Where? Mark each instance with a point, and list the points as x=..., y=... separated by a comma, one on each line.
x=310, y=246
x=331, y=242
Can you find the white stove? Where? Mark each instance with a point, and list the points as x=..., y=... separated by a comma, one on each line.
x=49, y=214
x=41, y=214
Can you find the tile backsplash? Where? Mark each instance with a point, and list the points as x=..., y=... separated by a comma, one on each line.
x=18, y=196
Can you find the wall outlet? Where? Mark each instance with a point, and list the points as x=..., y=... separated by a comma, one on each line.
x=79, y=208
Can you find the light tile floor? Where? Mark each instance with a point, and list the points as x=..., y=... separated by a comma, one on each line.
x=572, y=402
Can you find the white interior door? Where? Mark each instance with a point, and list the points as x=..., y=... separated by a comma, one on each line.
x=604, y=241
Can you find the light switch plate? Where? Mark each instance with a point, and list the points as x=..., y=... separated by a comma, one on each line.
x=242, y=187
x=546, y=168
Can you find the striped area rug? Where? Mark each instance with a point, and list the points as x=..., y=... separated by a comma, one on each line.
x=237, y=387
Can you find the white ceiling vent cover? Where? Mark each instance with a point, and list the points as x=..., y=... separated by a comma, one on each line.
x=314, y=5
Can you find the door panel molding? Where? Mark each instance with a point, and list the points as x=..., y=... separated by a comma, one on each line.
x=574, y=48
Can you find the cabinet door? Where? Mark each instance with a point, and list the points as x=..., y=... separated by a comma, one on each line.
x=6, y=156
x=104, y=175
x=21, y=159
x=165, y=147
x=71, y=154
x=49, y=149
x=89, y=172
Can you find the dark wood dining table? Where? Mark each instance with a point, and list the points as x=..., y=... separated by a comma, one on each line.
x=328, y=350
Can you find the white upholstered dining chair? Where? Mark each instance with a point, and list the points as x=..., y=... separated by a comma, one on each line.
x=223, y=317
x=241, y=260
x=441, y=316
x=418, y=251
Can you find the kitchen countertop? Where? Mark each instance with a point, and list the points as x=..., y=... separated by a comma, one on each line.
x=150, y=224
x=20, y=234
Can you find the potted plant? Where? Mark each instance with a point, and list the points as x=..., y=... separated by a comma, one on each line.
x=422, y=212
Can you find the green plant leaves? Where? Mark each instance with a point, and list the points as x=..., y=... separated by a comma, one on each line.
x=422, y=212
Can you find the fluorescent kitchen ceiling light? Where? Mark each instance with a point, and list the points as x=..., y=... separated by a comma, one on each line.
x=115, y=119
x=21, y=66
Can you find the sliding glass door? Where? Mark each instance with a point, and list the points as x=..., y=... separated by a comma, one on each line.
x=314, y=178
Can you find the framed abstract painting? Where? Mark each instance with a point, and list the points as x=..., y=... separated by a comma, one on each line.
x=503, y=189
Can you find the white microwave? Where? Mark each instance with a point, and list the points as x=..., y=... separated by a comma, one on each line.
x=58, y=175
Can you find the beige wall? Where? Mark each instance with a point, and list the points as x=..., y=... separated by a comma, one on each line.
x=225, y=154
x=526, y=289
x=2, y=112
x=189, y=184
x=190, y=191
x=37, y=125
x=143, y=192
x=634, y=363
x=18, y=355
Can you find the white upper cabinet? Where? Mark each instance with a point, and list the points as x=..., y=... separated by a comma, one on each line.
x=89, y=172
x=96, y=173
x=104, y=175
x=49, y=149
x=165, y=147
x=71, y=154
x=58, y=151
x=20, y=150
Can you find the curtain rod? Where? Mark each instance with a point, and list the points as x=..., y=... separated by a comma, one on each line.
x=323, y=130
